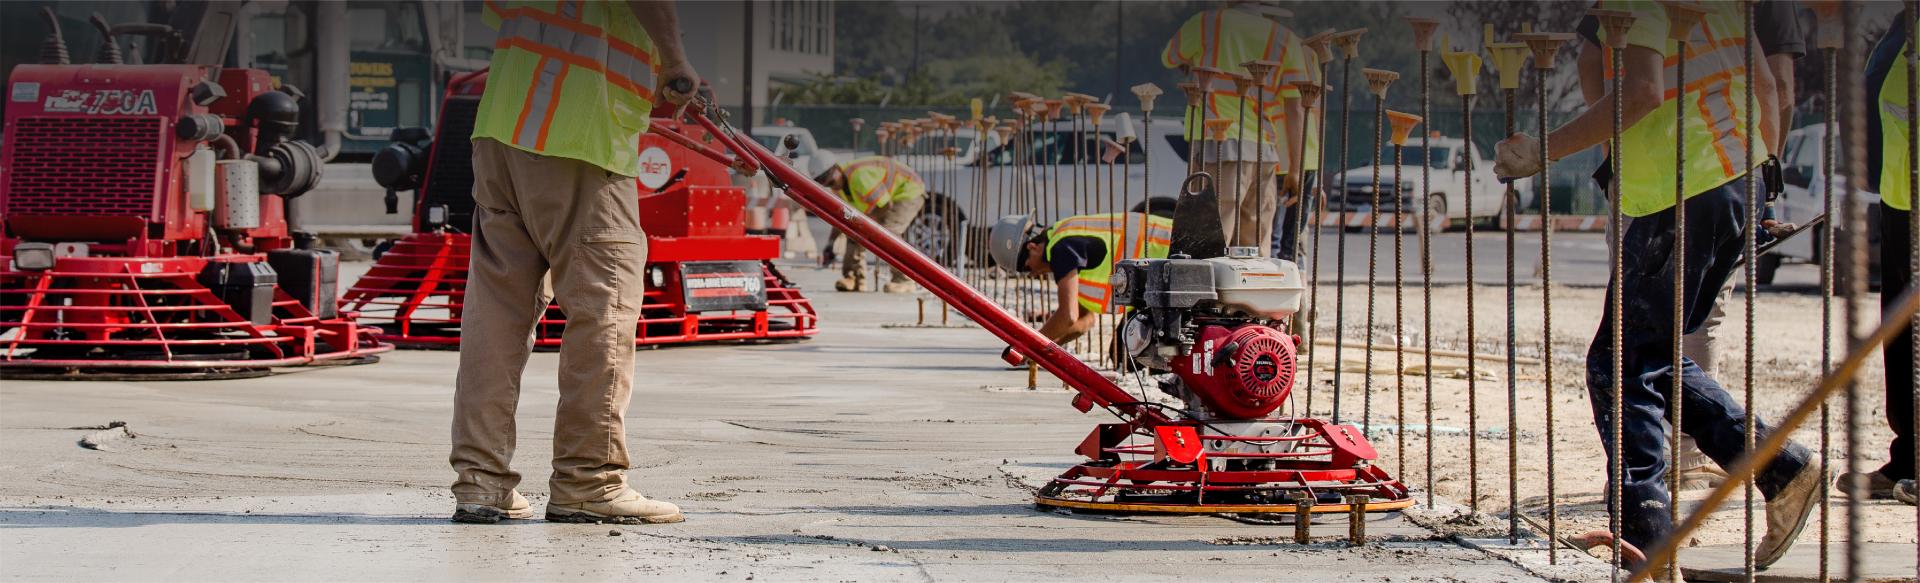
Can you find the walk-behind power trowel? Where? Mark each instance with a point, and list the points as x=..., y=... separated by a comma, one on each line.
x=707, y=279
x=143, y=229
x=1210, y=324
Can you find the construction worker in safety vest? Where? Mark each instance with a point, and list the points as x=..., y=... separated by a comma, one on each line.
x=891, y=194
x=1782, y=40
x=1718, y=155
x=555, y=153
x=1251, y=156
x=1078, y=253
x=1890, y=151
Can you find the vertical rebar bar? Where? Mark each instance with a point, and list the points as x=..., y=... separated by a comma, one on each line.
x=1747, y=567
x=1616, y=23
x=1426, y=259
x=1546, y=47
x=1854, y=106
x=1340, y=232
x=1683, y=36
x=1512, y=213
x=1373, y=252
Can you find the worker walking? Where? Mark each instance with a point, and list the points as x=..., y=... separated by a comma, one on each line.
x=555, y=153
x=1718, y=157
x=1079, y=253
x=1889, y=140
x=1223, y=38
x=1782, y=40
x=887, y=191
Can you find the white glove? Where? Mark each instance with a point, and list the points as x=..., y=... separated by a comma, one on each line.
x=1518, y=156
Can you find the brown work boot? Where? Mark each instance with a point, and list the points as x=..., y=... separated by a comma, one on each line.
x=1905, y=491
x=848, y=284
x=517, y=508
x=899, y=287
x=1787, y=514
x=627, y=507
x=1879, y=486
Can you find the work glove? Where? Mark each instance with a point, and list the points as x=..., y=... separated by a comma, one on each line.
x=1516, y=157
x=680, y=81
x=1012, y=357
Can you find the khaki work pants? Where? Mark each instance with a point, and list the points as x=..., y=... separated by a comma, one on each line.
x=895, y=217
x=1249, y=200
x=538, y=217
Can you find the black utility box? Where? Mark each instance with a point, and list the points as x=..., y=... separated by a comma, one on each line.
x=246, y=286
x=311, y=276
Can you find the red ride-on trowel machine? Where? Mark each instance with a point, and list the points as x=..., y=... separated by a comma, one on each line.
x=707, y=279
x=143, y=210
x=1211, y=324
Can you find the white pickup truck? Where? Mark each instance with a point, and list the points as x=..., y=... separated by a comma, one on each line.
x=1446, y=195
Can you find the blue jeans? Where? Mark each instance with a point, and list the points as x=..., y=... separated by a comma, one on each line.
x=1712, y=417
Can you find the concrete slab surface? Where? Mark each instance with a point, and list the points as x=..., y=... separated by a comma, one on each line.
x=1884, y=563
x=866, y=453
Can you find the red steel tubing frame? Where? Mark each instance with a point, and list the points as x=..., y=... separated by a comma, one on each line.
x=1094, y=388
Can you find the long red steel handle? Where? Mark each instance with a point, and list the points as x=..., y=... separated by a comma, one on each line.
x=922, y=269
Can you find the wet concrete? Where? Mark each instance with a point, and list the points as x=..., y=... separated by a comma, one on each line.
x=866, y=453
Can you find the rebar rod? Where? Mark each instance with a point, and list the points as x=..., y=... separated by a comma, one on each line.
x=1340, y=232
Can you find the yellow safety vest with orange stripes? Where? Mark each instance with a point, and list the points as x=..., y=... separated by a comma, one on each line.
x=1717, y=148
x=570, y=79
x=1147, y=237
x=1224, y=39
x=877, y=181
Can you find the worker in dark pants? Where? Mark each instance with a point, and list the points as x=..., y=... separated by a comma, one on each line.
x=1889, y=138
x=1714, y=190
x=1293, y=209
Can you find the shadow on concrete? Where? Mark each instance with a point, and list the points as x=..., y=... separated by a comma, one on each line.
x=77, y=517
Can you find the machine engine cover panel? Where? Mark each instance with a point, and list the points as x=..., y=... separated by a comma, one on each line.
x=1239, y=373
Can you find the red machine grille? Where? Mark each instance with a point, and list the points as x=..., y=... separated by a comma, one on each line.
x=99, y=166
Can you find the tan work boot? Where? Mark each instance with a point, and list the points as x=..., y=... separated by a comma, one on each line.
x=517, y=508
x=899, y=287
x=1787, y=514
x=848, y=284
x=1907, y=492
x=627, y=507
x=1879, y=486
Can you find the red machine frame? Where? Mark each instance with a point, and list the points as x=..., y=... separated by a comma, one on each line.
x=413, y=294
x=96, y=170
x=1324, y=461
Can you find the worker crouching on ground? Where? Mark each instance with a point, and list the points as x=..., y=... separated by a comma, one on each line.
x=1078, y=253
x=885, y=190
x=1717, y=160
x=555, y=153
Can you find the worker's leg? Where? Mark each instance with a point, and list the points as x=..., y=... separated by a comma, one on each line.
x=853, y=265
x=1286, y=233
x=1257, y=208
x=588, y=223
x=1696, y=468
x=899, y=215
x=503, y=299
x=1709, y=413
x=1896, y=274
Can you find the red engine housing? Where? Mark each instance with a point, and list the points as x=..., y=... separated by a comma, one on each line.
x=1242, y=372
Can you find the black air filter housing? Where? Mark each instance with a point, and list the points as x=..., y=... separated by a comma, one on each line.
x=246, y=286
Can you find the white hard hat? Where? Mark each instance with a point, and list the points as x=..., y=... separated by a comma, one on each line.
x=1007, y=238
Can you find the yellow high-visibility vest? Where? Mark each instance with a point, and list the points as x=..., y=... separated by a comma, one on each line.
x=570, y=79
x=877, y=181
x=1147, y=237
x=1223, y=39
x=1896, y=135
x=1717, y=149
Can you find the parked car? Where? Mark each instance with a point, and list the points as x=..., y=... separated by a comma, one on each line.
x=1803, y=200
x=1050, y=168
x=1446, y=193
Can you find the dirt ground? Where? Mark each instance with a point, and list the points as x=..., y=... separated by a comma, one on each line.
x=1787, y=365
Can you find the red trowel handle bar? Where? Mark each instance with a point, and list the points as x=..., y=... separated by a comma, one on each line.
x=1095, y=388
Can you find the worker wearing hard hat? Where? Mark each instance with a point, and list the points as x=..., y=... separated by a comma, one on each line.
x=555, y=153
x=885, y=190
x=1078, y=253
x=1719, y=155
x=1251, y=157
